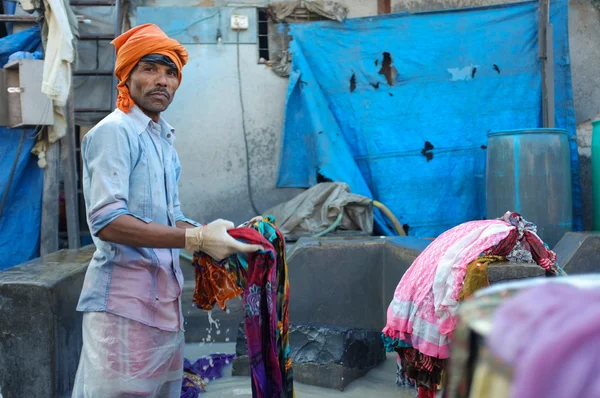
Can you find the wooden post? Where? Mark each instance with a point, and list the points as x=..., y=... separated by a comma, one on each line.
x=118, y=24
x=68, y=166
x=546, y=54
x=49, y=227
x=384, y=6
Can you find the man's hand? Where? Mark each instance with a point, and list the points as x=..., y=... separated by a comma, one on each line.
x=214, y=240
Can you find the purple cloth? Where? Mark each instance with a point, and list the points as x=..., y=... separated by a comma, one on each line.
x=189, y=389
x=550, y=336
x=208, y=368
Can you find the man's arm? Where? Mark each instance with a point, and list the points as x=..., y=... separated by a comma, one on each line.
x=184, y=225
x=212, y=239
x=130, y=231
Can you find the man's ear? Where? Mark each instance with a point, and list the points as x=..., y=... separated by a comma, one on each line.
x=130, y=73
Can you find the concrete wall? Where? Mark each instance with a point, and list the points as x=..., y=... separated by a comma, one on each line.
x=40, y=331
x=584, y=41
x=430, y=5
x=210, y=141
x=206, y=113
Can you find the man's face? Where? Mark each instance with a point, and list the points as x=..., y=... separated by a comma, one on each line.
x=152, y=86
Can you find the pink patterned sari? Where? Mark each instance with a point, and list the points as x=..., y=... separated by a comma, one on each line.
x=423, y=311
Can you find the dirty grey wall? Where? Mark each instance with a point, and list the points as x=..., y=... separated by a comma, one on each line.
x=432, y=5
x=584, y=41
x=207, y=116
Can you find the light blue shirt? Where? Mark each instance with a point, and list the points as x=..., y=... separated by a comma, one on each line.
x=131, y=167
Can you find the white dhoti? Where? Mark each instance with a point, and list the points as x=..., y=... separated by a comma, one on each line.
x=125, y=358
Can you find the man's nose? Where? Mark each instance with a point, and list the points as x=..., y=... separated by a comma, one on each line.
x=161, y=80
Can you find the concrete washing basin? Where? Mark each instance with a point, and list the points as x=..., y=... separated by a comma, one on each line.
x=340, y=291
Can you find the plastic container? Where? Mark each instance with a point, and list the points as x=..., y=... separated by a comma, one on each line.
x=529, y=171
x=596, y=172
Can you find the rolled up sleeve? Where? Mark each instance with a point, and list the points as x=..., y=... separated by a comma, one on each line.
x=107, y=159
x=176, y=204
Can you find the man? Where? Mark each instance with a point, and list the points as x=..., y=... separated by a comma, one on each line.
x=131, y=298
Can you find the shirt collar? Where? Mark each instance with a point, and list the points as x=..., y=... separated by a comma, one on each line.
x=142, y=121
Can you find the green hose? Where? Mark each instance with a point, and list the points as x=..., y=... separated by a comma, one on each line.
x=380, y=206
x=332, y=227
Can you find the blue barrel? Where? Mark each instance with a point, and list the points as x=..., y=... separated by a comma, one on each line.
x=596, y=173
x=529, y=171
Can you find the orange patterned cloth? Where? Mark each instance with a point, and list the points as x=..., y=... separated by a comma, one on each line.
x=213, y=283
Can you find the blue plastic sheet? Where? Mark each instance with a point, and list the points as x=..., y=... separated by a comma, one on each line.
x=20, y=221
x=25, y=55
x=399, y=106
x=27, y=40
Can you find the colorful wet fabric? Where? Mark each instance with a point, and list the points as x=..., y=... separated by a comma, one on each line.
x=489, y=380
x=192, y=386
x=197, y=375
x=548, y=335
x=263, y=276
x=424, y=370
x=402, y=379
x=459, y=368
x=214, y=284
x=426, y=393
x=532, y=243
x=477, y=275
x=391, y=344
x=423, y=311
x=524, y=326
x=423, y=308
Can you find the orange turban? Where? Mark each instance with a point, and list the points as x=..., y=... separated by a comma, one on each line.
x=136, y=43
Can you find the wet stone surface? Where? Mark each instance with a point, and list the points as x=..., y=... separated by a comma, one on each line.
x=324, y=356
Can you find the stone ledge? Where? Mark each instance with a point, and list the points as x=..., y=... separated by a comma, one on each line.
x=502, y=272
x=40, y=328
x=579, y=252
x=324, y=356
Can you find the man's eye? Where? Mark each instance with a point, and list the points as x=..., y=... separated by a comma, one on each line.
x=149, y=69
x=173, y=73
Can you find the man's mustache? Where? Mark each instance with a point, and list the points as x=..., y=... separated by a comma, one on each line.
x=159, y=90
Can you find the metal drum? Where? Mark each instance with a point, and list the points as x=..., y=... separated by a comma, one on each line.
x=529, y=171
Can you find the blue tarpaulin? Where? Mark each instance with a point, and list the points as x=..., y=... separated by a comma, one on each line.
x=27, y=40
x=21, y=217
x=399, y=106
